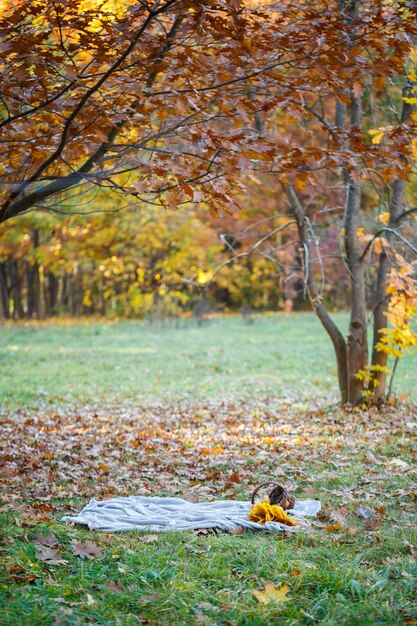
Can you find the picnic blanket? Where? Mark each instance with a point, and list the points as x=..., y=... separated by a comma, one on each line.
x=160, y=514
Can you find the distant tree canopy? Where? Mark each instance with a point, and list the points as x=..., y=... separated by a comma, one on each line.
x=301, y=115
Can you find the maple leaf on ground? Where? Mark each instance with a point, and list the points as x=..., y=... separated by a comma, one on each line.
x=88, y=549
x=49, y=556
x=45, y=540
x=272, y=594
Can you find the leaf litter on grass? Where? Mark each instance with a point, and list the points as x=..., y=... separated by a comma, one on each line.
x=162, y=450
x=59, y=458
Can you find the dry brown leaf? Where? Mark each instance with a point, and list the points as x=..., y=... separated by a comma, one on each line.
x=45, y=540
x=88, y=549
x=49, y=556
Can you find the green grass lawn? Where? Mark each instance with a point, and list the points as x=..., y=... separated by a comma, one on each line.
x=287, y=356
x=100, y=410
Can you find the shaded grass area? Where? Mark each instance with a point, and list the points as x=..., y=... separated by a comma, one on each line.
x=289, y=356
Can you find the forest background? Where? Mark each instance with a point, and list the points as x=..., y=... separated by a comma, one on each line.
x=150, y=262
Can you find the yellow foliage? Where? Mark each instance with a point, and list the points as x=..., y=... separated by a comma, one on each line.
x=378, y=245
x=203, y=277
x=384, y=217
x=402, y=311
x=412, y=76
x=376, y=134
x=87, y=298
x=263, y=512
x=300, y=184
x=399, y=337
x=272, y=594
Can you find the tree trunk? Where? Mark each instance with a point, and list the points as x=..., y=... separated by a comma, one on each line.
x=64, y=294
x=16, y=291
x=357, y=341
x=33, y=283
x=379, y=359
x=357, y=345
x=71, y=296
x=4, y=293
x=314, y=295
x=51, y=293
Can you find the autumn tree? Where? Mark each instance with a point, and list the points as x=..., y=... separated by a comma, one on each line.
x=144, y=98
x=188, y=101
x=348, y=159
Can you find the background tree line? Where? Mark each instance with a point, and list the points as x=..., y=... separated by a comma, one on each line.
x=151, y=264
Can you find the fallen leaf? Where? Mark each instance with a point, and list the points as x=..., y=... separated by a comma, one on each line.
x=333, y=528
x=214, y=450
x=150, y=538
x=88, y=549
x=19, y=575
x=49, y=556
x=372, y=524
x=272, y=594
x=50, y=541
x=413, y=550
x=236, y=478
x=381, y=510
x=237, y=531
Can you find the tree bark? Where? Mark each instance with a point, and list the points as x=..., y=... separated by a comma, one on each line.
x=396, y=207
x=33, y=282
x=51, y=294
x=339, y=343
x=15, y=290
x=4, y=293
x=357, y=341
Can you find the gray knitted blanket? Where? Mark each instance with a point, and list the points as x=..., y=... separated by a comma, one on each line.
x=160, y=514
